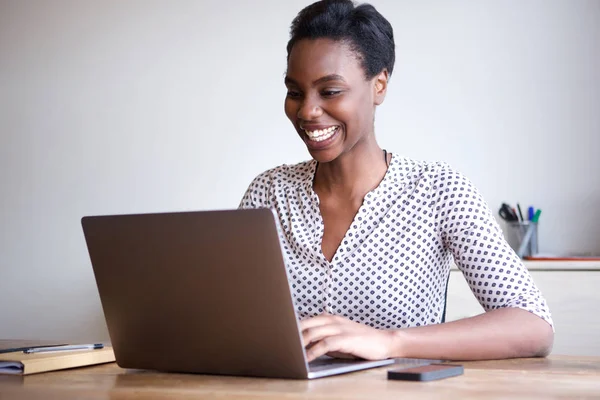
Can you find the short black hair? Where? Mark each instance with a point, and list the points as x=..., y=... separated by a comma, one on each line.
x=362, y=27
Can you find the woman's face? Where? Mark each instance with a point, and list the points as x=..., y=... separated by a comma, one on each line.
x=329, y=101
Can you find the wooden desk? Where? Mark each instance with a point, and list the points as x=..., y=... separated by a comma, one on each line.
x=554, y=377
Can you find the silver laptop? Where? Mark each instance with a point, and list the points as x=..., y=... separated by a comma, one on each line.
x=201, y=292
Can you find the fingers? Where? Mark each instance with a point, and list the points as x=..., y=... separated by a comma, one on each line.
x=328, y=334
x=330, y=344
x=311, y=335
x=319, y=320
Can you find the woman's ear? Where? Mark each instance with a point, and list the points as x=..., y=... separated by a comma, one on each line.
x=381, y=82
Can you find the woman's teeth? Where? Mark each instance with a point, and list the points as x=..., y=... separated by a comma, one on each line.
x=321, y=134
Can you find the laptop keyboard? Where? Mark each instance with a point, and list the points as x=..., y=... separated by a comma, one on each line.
x=324, y=363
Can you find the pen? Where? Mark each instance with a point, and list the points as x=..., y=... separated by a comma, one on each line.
x=536, y=217
x=520, y=213
x=530, y=213
x=93, y=346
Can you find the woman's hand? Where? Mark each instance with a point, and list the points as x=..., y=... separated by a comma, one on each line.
x=339, y=337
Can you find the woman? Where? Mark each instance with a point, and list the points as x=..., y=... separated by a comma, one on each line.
x=368, y=236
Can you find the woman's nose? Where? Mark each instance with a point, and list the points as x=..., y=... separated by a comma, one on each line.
x=309, y=110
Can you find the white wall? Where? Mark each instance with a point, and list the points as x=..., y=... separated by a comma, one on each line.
x=142, y=106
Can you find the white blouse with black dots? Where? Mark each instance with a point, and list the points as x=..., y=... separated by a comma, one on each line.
x=391, y=268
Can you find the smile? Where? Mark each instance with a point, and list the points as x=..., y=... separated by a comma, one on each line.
x=321, y=134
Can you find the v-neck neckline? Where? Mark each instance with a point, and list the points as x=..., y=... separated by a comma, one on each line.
x=358, y=218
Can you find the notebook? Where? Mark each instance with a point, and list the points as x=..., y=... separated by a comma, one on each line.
x=19, y=363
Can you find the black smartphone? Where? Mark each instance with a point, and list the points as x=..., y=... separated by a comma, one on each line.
x=424, y=373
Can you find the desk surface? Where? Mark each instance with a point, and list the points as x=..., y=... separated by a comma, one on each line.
x=553, y=377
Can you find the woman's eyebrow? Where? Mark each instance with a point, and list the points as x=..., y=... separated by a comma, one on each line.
x=329, y=78
x=290, y=81
x=324, y=79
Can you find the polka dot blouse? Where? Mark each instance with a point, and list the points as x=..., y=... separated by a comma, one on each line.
x=392, y=267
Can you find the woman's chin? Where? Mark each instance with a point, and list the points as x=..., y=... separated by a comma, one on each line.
x=325, y=150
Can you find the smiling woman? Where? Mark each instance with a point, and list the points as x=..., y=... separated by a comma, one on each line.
x=368, y=236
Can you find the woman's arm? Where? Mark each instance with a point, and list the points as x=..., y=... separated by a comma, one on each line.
x=501, y=333
x=517, y=322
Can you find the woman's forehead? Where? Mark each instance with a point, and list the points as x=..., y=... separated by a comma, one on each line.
x=311, y=59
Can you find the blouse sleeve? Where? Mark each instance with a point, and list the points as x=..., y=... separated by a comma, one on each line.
x=495, y=274
x=257, y=194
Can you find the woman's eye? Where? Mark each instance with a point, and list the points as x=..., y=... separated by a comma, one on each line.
x=330, y=93
x=293, y=94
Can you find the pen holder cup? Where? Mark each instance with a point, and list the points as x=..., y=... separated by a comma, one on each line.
x=517, y=232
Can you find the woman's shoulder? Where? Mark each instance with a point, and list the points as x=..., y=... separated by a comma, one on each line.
x=445, y=183
x=434, y=171
x=287, y=174
x=271, y=183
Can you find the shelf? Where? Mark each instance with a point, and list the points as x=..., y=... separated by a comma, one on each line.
x=591, y=265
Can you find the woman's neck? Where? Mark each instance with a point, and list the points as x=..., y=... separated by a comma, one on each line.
x=352, y=175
